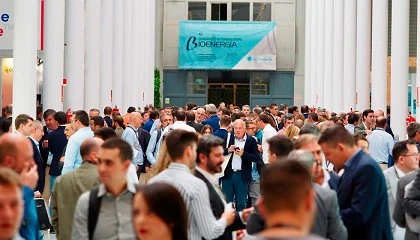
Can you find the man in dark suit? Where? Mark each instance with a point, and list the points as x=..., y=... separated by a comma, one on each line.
x=57, y=141
x=213, y=119
x=399, y=214
x=209, y=162
x=225, y=122
x=36, y=134
x=107, y=116
x=190, y=118
x=362, y=191
x=243, y=151
x=144, y=138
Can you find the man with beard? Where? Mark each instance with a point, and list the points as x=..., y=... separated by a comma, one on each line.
x=209, y=162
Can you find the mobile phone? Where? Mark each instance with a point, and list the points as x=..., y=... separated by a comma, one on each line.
x=237, y=148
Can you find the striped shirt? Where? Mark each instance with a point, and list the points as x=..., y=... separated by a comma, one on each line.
x=194, y=191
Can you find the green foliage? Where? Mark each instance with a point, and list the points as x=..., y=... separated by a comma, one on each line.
x=157, y=82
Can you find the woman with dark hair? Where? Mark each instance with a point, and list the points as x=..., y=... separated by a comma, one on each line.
x=6, y=126
x=153, y=216
x=207, y=130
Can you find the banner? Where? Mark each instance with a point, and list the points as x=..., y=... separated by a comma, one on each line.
x=7, y=24
x=227, y=45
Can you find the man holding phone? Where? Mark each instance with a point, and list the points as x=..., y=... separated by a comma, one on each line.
x=237, y=175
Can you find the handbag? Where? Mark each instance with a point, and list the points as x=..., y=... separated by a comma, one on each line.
x=44, y=218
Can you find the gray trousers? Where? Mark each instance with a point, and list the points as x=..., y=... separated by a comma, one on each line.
x=254, y=191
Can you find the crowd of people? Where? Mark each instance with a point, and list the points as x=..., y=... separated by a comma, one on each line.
x=207, y=172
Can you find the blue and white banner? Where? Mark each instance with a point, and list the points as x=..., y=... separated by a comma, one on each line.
x=227, y=45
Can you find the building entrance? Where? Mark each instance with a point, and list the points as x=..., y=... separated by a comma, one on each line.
x=229, y=93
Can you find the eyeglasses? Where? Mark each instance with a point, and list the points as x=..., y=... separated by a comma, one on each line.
x=411, y=155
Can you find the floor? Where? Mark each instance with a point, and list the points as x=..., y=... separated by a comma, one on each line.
x=48, y=236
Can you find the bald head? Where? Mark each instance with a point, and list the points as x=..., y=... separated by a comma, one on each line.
x=381, y=122
x=89, y=149
x=135, y=119
x=15, y=152
x=379, y=113
x=239, y=128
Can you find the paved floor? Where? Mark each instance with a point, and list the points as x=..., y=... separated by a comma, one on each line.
x=48, y=236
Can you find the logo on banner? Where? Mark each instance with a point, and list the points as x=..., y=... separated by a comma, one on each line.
x=193, y=42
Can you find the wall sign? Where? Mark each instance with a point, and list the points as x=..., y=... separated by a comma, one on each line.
x=227, y=45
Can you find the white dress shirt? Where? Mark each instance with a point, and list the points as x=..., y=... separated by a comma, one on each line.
x=237, y=160
x=268, y=132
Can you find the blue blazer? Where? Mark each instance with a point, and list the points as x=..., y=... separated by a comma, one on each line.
x=213, y=121
x=363, y=200
x=221, y=133
x=57, y=141
x=251, y=154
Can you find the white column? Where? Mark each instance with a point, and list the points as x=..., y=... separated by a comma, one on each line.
x=150, y=71
x=363, y=50
x=107, y=59
x=399, y=65
x=349, y=77
x=308, y=25
x=138, y=49
x=92, y=53
x=127, y=73
x=338, y=56
x=314, y=63
x=53, y=54
x=75, y=54
x=418, y=65
x=328, y=55
x=25, y=57
x=320, y=53
x=117, y=49
x=379, y=53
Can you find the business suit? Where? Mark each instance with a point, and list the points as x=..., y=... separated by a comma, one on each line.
x=221, y=133
x=327, y=221
x=197, y=126
x=235, y=183
x=391, y=178
x=218, y=208
x=56, y=144
x=213, y=121
x=144, y=138
x=41, y=167
x=363, y=200
x=399, y=214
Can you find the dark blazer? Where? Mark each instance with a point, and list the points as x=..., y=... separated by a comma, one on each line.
x=44, y=151
x=144, y=138
x=197, y=126
x=57, y=141
x=213, y=121
x=399, y=214
x=41, y=167
x=251, y=154
x=363, y=199
x=108, y=121
x=221, y=133
x=218, y=208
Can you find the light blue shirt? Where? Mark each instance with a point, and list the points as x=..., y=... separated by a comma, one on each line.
x=130, y=136
x=72, y=158
x=154, y=144
x=350, y=128
x=381, y=144
x=155, y=125
x=254, y=173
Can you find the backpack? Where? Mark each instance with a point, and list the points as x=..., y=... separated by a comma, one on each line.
x=93, y=211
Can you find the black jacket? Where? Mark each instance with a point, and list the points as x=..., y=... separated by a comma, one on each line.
x=218, y=208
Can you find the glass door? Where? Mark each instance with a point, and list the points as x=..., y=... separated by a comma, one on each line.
x=218, y=93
